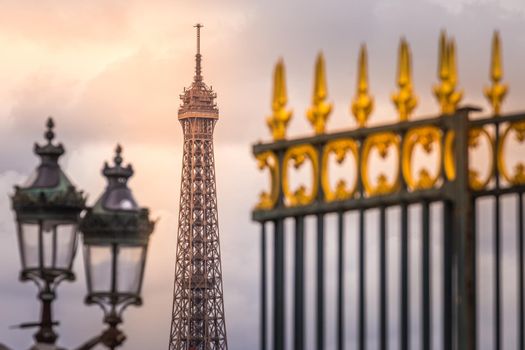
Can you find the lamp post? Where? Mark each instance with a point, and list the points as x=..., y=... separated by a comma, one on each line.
x=47, y=211
x=115, y=234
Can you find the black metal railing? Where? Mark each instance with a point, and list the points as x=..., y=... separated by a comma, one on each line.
x=456, y=186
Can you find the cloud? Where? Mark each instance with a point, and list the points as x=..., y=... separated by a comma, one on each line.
x=62, y=25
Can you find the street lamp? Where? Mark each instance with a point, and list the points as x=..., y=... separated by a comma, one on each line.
x=47, y=210
x=115, y=233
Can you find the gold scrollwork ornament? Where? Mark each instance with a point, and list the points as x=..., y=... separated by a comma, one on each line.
x=427, y=137
x=518, y=178
x=448, y=156
x=475, y=182
x=382, y=142
x=298, y=155
x=269, y=160
x=340, y=148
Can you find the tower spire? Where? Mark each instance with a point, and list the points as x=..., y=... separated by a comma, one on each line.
x=197, y=321
x=198, y=56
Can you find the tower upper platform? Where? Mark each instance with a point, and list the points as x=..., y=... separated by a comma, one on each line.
x=198, y=101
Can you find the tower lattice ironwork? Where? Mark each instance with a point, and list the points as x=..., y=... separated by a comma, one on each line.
x=198, y=305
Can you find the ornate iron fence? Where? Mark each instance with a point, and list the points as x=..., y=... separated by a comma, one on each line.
x=457, y=186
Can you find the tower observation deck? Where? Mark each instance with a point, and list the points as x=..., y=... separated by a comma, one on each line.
x=197, y=321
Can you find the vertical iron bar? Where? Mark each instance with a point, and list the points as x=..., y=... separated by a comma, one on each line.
x=299, y=284
x=497, y=269
x=320, y=258
x=405, y=308
x=448, y=315
x=382, y=282
x=426, y=274
x=362, y=279
x=497, y=274
x=361, y=255
x=521, y=310
x=263, y=286
x=320, y=282
x=340, y=282
x=279, y=302
x=474, y=266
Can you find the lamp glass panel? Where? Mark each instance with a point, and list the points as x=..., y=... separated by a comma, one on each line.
x=59, y=240
x=29, y=242
x=49, y=243
x=100, y=267
x=130, y=264
x=66, y=235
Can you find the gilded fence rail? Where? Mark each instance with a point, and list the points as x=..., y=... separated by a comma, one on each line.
x=450, y=137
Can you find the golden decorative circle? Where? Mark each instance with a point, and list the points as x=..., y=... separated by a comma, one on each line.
x=474, y=181
x=299, y=154
x=426, y=136
x=519, y=175
x=450, y=162
x=381, y=141
x=340, y=148
x=269, y=160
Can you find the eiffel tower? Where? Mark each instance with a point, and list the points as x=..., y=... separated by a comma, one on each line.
x=197, y=321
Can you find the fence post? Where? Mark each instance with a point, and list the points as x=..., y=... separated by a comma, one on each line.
x=279, y=300
x=320, y=290
x=465, y=250
x=263, y=286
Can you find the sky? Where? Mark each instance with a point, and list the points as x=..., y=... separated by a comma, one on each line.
x=112, y=71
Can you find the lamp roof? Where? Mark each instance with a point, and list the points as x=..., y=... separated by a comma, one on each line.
x=198, y=101
x=48, y=189
x=116, y=216
x=117, y=195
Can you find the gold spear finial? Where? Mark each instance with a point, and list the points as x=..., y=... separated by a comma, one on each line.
x=280, y=117
x=318, y=113
x=363, y=103
x=443, y=71
x=445, y=91
x=405, y=100
x=496, y=93
x=451, y=56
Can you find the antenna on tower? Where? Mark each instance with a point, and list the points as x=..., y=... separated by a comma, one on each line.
x=198, y=76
